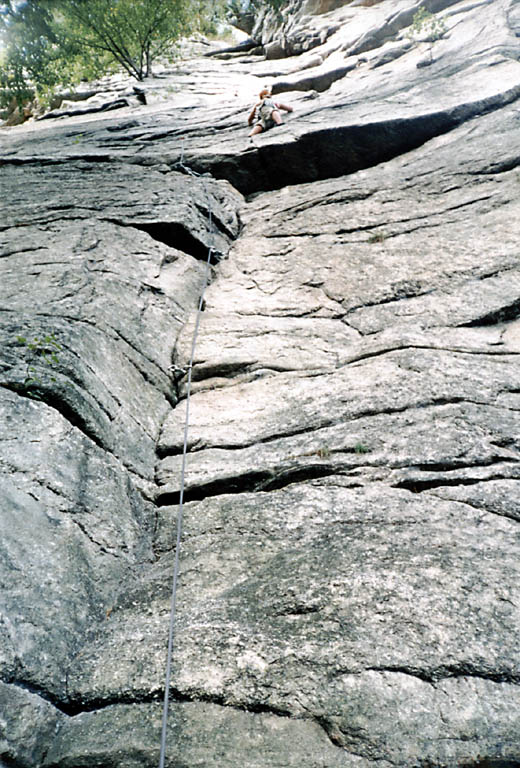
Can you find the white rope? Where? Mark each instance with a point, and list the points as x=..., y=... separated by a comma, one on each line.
x=173, y=606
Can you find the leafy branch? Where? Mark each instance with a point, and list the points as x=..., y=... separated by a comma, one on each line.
x=428, y=27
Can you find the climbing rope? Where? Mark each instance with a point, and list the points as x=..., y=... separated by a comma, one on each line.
x=171, y=632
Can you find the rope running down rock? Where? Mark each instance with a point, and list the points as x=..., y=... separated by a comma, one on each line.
x=185, y=169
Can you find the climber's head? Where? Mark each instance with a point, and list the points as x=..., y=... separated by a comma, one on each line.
x=266, y=91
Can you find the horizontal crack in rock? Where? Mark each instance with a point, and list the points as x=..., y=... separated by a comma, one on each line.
x=73, y=707
x=450, y=672
x=503, y=315
x=435, y=402
x=339, y=150
x=420, y=486
x=261, y=480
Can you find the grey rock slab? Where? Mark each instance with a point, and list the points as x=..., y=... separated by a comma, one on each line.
x=225, y=356
x=173, y=208
x=350, y=276
x=248, y=413
x=28, y=724
x=348, y=591
x=310, y=24
x=116, y=278
x=343, y=255
x=320, y=78
x=312, y=600
x=450, y=725
x=115, y=408
x=418, y=448
x=107, y=290
x=198, y=734
x=232, y=344
x=288, y=598
x=450, y=170
x=364, y=118
x=204, y=97
x=74, y=528
x=501, y=497
x=277, y=279
x=477, y=301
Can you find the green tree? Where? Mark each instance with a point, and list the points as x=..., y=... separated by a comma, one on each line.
x=208, y=15
x=34, y=54
x=135, y=33
x=58, y=42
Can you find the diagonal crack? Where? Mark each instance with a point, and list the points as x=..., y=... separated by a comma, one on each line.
x=473, y=504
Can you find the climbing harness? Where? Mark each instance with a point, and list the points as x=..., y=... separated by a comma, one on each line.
x=171, y=632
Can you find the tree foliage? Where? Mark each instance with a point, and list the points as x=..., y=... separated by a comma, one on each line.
x=133, y=32
x=31, y=48
x=57, y=42
x=427, y=26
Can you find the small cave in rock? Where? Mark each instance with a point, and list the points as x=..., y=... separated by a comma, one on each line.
x=503, y=315
x=174, y=235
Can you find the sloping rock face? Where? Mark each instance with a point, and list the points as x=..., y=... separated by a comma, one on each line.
x=349, y=589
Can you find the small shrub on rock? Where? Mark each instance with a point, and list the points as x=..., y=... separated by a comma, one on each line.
x=427, y=27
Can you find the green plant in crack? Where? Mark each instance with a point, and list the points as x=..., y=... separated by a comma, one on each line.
x=377, y=237
x=43, y=351
x=361, y=448
x=427, y=26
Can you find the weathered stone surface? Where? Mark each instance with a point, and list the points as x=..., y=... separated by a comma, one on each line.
x=92, y=105
x=368, y=115
x=106, y=261
x=73, y=528
x=129, y=735
x=349, y=586
x=312, y=602
x=28, y=724
x=113, y=271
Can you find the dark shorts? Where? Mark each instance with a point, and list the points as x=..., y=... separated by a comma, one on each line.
x=265, y=119
x=266, y=123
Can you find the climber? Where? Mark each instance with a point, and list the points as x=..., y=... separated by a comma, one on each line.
x=266, y=112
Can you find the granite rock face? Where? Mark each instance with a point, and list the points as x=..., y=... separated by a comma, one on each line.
x=349, y=590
